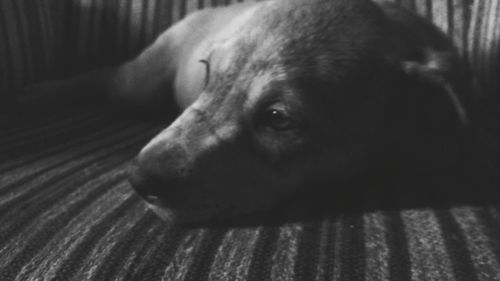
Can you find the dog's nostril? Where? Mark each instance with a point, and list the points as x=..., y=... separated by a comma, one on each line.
x=151, y=187
x=147, y=186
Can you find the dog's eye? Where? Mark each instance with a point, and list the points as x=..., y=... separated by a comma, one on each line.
x=207, y=68
x=277, y=119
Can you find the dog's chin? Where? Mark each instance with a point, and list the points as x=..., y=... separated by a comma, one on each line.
x=183, y=215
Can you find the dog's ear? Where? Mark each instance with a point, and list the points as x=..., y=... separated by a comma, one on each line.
x=423, y=53
x=441, y=69
x=428, y=116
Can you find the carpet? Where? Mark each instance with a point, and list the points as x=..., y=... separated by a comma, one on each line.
x=67, y=212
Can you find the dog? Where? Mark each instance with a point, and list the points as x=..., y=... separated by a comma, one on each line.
x=275, y=93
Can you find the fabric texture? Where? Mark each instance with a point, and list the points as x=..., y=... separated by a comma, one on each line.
x=30, y=42
x=53, y=39
x=68, y=212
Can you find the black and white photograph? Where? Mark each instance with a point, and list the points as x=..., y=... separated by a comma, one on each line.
x=247, y=140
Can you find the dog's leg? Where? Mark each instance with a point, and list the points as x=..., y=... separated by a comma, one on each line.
x=150, y=82
x=143, y=83
x=139, y=83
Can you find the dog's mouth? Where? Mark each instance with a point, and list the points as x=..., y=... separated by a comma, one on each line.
x=185, y=216
x=173, y=211
x=166, y=214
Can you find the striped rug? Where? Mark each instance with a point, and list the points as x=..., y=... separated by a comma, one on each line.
x=68, y=213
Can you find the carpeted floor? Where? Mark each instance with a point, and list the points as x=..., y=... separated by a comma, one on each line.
x=67, y=213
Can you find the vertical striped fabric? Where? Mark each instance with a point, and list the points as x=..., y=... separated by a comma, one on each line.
x=103, y=32
x=483, y=47
x=30, y=42
x=49, y=39
x=68, y=213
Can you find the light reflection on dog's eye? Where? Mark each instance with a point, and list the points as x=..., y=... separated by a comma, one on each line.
x=277, y=119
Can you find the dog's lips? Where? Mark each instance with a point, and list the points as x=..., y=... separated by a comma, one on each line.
x=155, y=204
x=164, y=213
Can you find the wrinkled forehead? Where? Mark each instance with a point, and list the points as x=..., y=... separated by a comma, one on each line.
x=244, y=67
x=245, y=87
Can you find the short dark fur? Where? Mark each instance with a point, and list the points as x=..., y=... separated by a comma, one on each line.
x=289, y=92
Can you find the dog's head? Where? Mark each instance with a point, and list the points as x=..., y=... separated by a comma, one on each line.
x=303, y=92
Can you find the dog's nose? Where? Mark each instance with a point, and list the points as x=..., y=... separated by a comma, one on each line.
x=148, y=185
